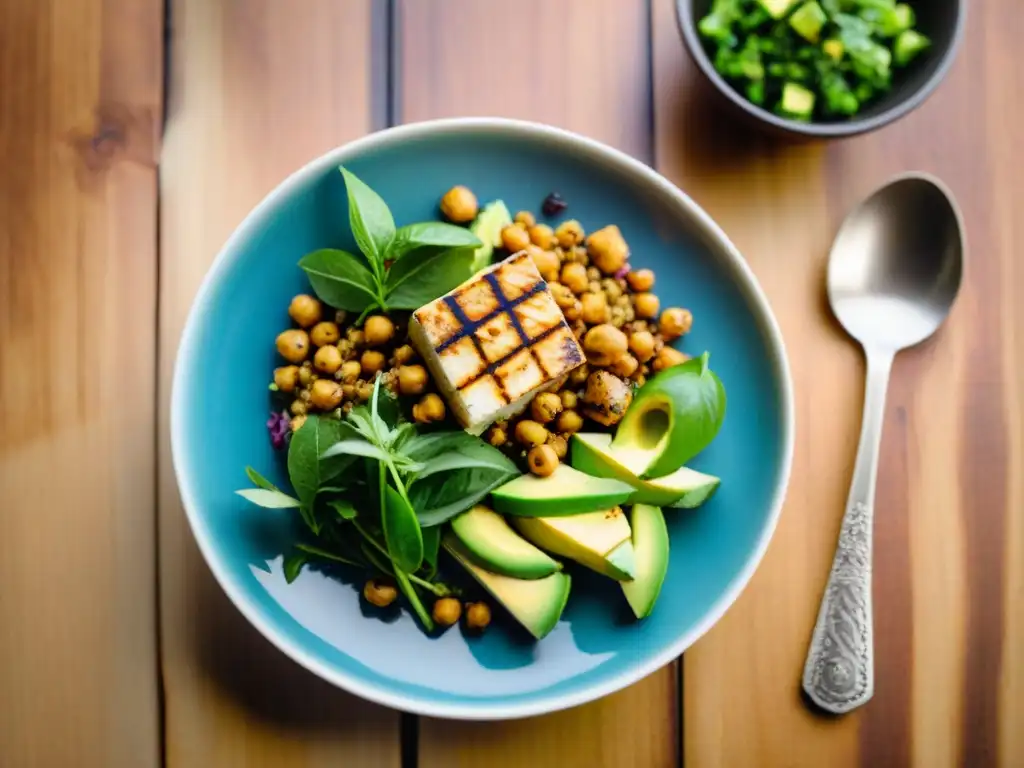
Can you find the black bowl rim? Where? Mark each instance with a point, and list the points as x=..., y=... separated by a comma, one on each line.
x=688, y=29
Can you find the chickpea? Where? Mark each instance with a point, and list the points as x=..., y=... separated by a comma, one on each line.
x=428, y=409
x=412, y=379
x=542, y=460
x=447, y=611
x=625, y=366
x=514, y=238
x=612, y=289
x=646, y=305
x=595, y=309
x=668, y=357
x=348, y=391
x=530, y=433
x=356, y=337
x=608, y=250
x=325, y=394
x=379, y=593
x=478, y=616
x=607, y=398
x=641, y=344
x=559, y=444
x=497, y=436
x=525, y=219
x=372, y=362
x=578, y=375
x=574, y=277
x=594, y=286
x=640, y=279
x=593, y=273
x=296, y=423
x=286, y=378
x=404, y=354
x=327, y=359
x=545, y=407
x=459, y=205
x=324, y=333
x=568, y=397
x=546, y=262
x=562, y=295
x=569, y=233
x=542, y=236
x=347, y=349
x=604, y=344
x=293, y=345
x=306, y=373
x=298, y=407
x=305, y=310
x=569, y=421
x=675, y=322
x=378, y=330
x=350, y=371
x=340, y=315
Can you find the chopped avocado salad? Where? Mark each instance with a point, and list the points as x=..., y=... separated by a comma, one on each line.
x=811, y=59
x=470, y=409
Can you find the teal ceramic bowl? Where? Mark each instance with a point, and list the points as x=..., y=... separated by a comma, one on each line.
x=220, y=406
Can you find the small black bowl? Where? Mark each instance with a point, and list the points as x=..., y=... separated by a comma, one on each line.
x=941, y=20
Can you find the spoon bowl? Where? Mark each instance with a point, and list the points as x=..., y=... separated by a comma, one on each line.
x=896, y=265
x=894, y=272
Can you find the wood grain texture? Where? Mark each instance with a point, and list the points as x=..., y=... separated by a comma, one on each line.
x=581, y=65
x=948, y=572
x=257, y=89
x=80, y=94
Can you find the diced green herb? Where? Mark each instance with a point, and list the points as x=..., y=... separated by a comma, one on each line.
x=808, y=21
x=908, y=45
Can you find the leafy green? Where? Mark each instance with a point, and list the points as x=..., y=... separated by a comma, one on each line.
x=403, y=268
x=341, y=280
x=305, y=470
x=259, y=480
x=402, y=531
x=370, y=219
x=439, y=498
x=269, y=499
x=324, y=554
x=345, y=509
x=293, y=565
x=415, y=281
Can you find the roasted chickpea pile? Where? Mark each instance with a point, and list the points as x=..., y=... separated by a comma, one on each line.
x=617, y=317
x=330, y=365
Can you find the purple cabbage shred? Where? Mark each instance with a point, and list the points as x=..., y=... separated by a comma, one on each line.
x=280, y=429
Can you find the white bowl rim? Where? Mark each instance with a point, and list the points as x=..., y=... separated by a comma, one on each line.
x=545, y=133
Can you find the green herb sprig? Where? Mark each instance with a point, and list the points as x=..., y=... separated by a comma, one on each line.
x=374, y=492
x=399, y=268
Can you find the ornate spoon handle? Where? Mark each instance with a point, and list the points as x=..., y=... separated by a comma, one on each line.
x=839, y=673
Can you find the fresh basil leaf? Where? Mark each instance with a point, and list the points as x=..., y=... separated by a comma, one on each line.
x=346, y=509
x=441, y=497
x=340, y=279
x=454, y=460
x=325, y=555
x=419, y=279
x=259, y=480
x=305, y=469
x=431, y=547
x=437, y=234
x=401, y=531
x=431, y=444
x=362, y=421
x=269, y=499
x=355, y=447
x=372, y=224
x=293, y=565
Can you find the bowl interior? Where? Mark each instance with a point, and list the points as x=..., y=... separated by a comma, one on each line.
x=938, y=19
x=221, y=404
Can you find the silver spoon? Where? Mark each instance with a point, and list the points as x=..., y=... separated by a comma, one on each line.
x=893, y=275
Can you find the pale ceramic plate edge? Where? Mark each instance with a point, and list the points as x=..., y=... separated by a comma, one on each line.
x=544, y=704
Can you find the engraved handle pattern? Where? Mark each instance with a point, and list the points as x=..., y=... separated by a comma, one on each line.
x=839, y=674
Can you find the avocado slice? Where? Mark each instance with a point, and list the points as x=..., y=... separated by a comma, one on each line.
x=599, y=540
x=685, y=488
x=650, y=547
x=493, y=544
x=797, y=101
x=808, y=20
x=672, y=418
x=537, y=604
x=487, y=226
x=565, y=491
x=776, y=8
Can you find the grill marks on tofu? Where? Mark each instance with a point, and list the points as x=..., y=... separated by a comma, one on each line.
x=494, y=340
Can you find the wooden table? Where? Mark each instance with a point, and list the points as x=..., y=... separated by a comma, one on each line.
x=123, y=170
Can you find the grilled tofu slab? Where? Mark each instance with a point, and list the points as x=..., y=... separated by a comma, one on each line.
x=495, y=341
